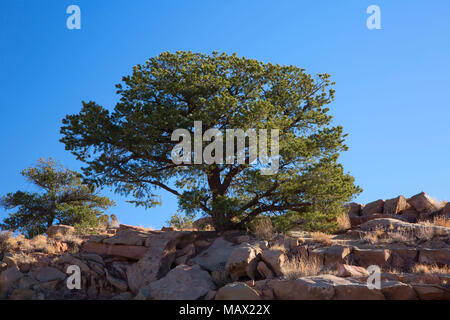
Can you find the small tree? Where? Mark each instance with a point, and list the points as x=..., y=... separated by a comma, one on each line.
x=64, y=200
x=131, y=147
x=180, y=221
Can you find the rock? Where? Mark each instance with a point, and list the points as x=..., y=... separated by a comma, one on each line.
x=306, y=288
x=275, y=259
x=422, y=203
x=135, y=228
x=180, y=238
x=441, y=257
x=345, y=270
x=128, y=237
x=416, y=230
x=289, y=243
x=119, y=284
x=183, y=255
x=71, y=260
x=356, y=221
x=331, y=256
x=404, y=257
x=46, y=274
x=264, y=270
x=155, y=264
x=354, y=209
x=410, y=215
x=396, y=205
x=91, y=257
x=216, y=256
x=367, y=257
x=431, y=292
x=237, y=291
x=23, y=294
x=7, y=279
x=59, y=230
x=395, y=290
x=203, y=223
x=242, y=261
x=373, y=207
x=446, y=210
x=210, y=295
x=350, y=289
x=181, y=283
x=221, y=277
x=50, y=286
x=124, y=251
x=424, y=278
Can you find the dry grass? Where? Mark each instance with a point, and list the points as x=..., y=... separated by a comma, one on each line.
x=321, y=237
x=40, y=243
x=263, y=228
x=441, y=221
x=431, y=269
x=298, y=267
x=278, y=246
x=343, y=221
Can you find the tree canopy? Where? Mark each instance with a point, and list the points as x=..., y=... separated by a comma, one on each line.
x=130, y=147
x=64, y=199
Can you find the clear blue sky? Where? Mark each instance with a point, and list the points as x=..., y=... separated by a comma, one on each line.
x=392, y=91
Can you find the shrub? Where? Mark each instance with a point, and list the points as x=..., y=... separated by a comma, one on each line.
x=181, y=222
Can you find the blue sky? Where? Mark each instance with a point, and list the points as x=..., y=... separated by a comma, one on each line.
x=391, y=92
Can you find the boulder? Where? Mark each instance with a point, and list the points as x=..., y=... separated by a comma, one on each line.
x=354, y=209
x=373, y=207
x=331, y=256
x=422, y=203
x=441, y=257
x=431, y=292
x=306, y=288
x=45, y=274
x=367, y=257
x=127, y=237
x=410, y=215
x=155, y=264
x=7, y=279
x=216, y=256
x=396, y=205
x=395, y=290
x=183, y=255
x=275, y=259
x=446, y=210
x=117, y=283
x=124, y=251
x=424, y=278
x=59, y=230
x=394, y=225
x=237, y=291
x=350, y=289
x=242, y=261
x=345, y=270
x=23, y=294
x=181, y=283
x=264, y=270
x=404, y=257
